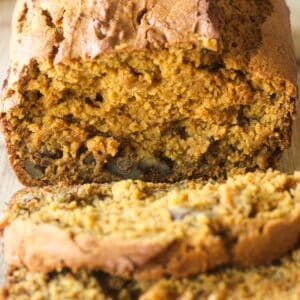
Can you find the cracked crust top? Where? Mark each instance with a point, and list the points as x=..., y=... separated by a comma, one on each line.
x=146, y=231
x=61, y=31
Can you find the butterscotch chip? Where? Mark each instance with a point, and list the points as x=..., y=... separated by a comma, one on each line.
x=146, y=231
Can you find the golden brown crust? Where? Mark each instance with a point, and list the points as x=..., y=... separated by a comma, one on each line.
x=132, y=25
x=276, y=57
x=36, y=246
x=266, y=243
x=44, y=248
x=258, y=244
x=91, y=29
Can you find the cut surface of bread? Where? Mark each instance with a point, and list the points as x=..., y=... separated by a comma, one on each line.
x=277, y=282
x=145, y=231
x=153, y=90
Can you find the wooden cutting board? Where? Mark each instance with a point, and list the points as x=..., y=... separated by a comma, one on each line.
x=8, y=182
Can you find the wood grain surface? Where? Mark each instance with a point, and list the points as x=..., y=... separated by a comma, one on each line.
x=8, y=182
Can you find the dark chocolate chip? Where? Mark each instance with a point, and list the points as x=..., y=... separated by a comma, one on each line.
x=34, y=170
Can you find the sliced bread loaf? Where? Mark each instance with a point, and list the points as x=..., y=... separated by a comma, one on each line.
x=160, y=90
x=277, y=282
x=146, y=231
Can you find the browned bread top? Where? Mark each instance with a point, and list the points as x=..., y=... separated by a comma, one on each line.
x=252, y=35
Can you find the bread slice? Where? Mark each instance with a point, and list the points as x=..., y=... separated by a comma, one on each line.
x=146, y=231
x=154, y=90
x=277, y=282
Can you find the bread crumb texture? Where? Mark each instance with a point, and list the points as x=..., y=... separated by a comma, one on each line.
x=146, y=231
x=279, y=281
x=157, y=91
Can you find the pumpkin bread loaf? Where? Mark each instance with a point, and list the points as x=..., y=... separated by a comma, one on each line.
x=279, y=281
x=145, y=231
x=157, y=90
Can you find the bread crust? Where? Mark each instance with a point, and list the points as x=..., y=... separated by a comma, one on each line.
x=178, y=250
x=275, y=57
x=93, y=29
x=44, y=248
x=279, y=281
